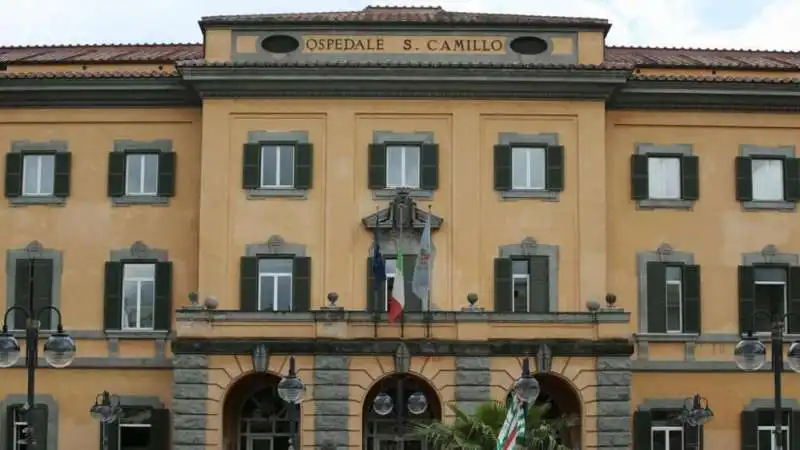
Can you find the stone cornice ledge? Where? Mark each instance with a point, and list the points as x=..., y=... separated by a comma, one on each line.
x=339, y=315
x=95, y=92
x=707, y=95
x=389, y=82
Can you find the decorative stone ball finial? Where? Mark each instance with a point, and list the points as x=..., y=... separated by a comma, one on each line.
x=211, y=303
x=593, y=305
x=472, y=298
x=611, y=299
x=193, y=298
x=333, y=297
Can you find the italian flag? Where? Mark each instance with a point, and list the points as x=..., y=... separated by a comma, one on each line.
x=397, y=298
x=514, y=426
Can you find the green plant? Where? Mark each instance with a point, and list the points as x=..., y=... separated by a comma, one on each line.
x=479, y=430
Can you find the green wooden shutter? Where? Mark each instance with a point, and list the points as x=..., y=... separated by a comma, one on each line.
x=413, y=303
x=692, y=437
x=160, y=429
x=112, y=432
x=642, y=424
x=43, y=291
x=61, y=174
x=794, y=430
x=791, y=179
x=163, y=306
x=640, y=185
x=539, y=279
x=116, y=174
x=690, y=178
x=429, y=167
x=502, y=168
x=112, y=314
x=747, y=298
x=692, y=319
x=167, y=167
x=656, y=297
x=14, y=174
x=38, y=418
x=22, y=290
x=794, y=301
x=301, y=284
x=303, y=165
x=376, y=166
x=503, y=285
x=554, y=175
x=744, y=179
x=749, y=430
x=251, y=166
x=9, y=426
x=248, y=283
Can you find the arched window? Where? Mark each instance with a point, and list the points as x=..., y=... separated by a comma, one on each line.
x=256, y=418
x=392, y=407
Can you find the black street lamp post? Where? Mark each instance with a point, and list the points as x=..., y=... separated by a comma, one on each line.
x=696, y=413
x=59, y=349
x=751, y=354
x=106, y=410
x=291, y=391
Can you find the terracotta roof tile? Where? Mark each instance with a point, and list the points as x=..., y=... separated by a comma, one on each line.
x=406, y=15
x=716, y=79
x=86, y=75
x=704, y=58
x=114, y=53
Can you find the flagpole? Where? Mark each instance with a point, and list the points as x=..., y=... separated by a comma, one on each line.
x=429, y=268
x=376, y=285
x=399, y=244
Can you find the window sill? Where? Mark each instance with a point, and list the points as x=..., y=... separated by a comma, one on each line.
x=388, y=194
x=664, y=204
x=665, y=337
x=517, y=194
x=135, y=334
x=139, y=200
x=257, y=194
x=43, y=200
x=768, y=206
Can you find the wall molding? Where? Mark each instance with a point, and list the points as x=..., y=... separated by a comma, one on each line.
x=530, y=247
x=275, y=245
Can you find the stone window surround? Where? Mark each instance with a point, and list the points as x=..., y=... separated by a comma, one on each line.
x=513, y=139
x=666, y=254
x=255, y=137
x=677, y=150
x=37, y=251
x=138, y=251
x=275, y=245
x=28, y=148
x=131, y=146
x=771, y=255
x=783, y=151
x=39, y=399
x=388, y=137
x=530, y=247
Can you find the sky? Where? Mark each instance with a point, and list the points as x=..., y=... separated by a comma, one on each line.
x=746, y=24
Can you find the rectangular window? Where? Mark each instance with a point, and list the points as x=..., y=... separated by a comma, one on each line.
x=664, y=178
x=391, y=271
x=134, y=436
x=770, y=294
x=529, y=168
x=767, y=439
x=138, y=296
x=521, y=276
x=674, y=297
x=767, y=179
x=21, y=433
x=38, y=174
x=275, y=284
x=666, y=438
x=277, y=166
x=402, y=166
x=141, y=174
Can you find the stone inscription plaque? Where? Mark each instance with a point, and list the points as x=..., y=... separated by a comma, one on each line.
x=484, y=45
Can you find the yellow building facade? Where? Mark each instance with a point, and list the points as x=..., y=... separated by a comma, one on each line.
x=206, y=216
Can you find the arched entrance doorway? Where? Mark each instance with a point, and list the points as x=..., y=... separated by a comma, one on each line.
x=392, y=407
x=564, y=407
x=256, y=418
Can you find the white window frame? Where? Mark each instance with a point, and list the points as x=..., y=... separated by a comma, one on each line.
x=275, y=276
x=529, y=156
x=138, y=281
x=679, y=283
x=667, y=429
x=782, y=162
x=278, y=151
x=404, y=183
x=785, y=301
x=521, y=276
x=26, y=158
x=19, y=425
x=677, y=179
x=142, y=174
x=773, y=441
x=129, y=425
